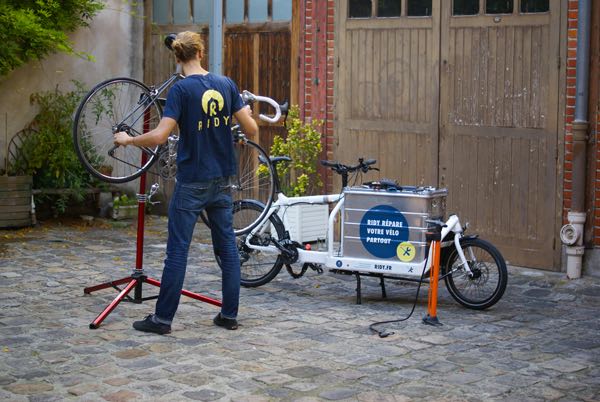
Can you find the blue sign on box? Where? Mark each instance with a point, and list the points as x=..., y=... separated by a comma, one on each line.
x=382, y=229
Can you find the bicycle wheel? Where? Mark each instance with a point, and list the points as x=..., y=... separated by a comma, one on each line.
x=254, y=181
x=486, y=283
x=257, y=267
x=118, y=104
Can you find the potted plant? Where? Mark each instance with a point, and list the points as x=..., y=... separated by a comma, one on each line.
x=306, y=222
x=124, y=207
x=47, y=154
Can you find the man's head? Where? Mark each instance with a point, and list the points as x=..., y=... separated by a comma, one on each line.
x=187, y=46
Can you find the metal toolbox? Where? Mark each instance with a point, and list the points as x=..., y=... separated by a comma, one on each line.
x=389, y=224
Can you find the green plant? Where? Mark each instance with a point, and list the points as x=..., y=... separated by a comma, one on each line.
x=303, y=145
x=123, y=201
x=32, y=29
x=49, y=155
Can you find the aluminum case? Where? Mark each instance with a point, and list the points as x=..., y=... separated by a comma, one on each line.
x=389, y=224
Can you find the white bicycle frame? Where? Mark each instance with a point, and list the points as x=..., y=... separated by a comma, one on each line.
x=335, y=259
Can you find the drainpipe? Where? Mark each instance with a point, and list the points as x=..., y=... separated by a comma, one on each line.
x=215, y=30
x=572, y=233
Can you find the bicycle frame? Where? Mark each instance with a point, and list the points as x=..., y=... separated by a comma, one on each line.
x=335, y=259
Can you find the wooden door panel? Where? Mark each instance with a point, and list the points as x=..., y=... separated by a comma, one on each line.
x=387, y=94
x=498, y=140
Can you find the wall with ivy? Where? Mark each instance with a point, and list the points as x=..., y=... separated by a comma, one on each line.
x=114, y=38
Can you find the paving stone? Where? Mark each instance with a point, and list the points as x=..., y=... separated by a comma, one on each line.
x=302, y=386
x=563, y=365
x=305, y=371
x=117, y=381
x=204, y=395
x=338, y=394
x=83, y=389
x=121, y=396
x=273, y=379
x=30, y=388
x=131, y=353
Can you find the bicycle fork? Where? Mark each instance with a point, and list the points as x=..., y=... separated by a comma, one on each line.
x=453, y=225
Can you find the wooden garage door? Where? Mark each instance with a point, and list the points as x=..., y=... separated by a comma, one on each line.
x=460, y=94
x=498, y=122
x=387, y=86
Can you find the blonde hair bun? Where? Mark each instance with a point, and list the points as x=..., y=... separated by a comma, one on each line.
x=187, y=45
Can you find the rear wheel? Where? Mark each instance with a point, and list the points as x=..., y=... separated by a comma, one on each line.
x=257, y=267
x=485, y=285
x=119, y=104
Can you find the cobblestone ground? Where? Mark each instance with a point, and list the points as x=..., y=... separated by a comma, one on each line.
x=299, y=340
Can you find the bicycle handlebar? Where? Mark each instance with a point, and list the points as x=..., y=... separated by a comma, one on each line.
x=364, y=165
x=248, y=97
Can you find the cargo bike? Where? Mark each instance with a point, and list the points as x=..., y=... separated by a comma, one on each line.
x=378, y=229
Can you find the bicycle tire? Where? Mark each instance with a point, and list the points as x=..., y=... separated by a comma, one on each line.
x=486, y=285
x=251, y=183
x=114, y=105
x=257, y=268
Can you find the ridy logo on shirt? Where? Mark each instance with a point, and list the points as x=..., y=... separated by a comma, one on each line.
x=213, y=104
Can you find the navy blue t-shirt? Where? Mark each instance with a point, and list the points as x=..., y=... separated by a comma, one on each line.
x=203, y=105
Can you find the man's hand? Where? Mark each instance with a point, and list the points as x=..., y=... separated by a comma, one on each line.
x=122, y=138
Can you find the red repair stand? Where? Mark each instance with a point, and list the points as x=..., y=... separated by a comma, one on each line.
x=138, y=277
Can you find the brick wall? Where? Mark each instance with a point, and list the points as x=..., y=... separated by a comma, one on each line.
x=594, y=155
x=316, y=69
x=592, y=237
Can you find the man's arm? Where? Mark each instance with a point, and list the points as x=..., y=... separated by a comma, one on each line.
x=244, y=117
x=152, y=138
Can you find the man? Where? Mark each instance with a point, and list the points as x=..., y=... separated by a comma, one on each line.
x=202, y=104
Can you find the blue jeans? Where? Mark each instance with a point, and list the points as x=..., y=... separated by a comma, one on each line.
x=188, y=201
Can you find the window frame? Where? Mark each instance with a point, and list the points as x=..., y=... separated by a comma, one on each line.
x=482, y=13
x=375, y=9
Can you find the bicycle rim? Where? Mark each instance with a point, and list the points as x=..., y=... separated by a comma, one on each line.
x=109, y=107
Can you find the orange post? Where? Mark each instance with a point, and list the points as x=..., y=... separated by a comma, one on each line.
x=434, y=273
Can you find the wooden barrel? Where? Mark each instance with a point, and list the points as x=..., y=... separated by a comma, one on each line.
x=15, y=201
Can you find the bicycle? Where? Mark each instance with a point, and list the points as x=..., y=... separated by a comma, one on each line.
x=125, y=104
x=474, y=271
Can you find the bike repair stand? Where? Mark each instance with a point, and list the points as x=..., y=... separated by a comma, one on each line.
x=138, y=277
x=434, y=237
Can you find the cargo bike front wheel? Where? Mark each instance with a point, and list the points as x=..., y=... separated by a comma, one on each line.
x=484, y=282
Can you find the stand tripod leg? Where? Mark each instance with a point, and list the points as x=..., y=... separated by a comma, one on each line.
x=106, y=285
x=96, y=323
x=189, y=294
